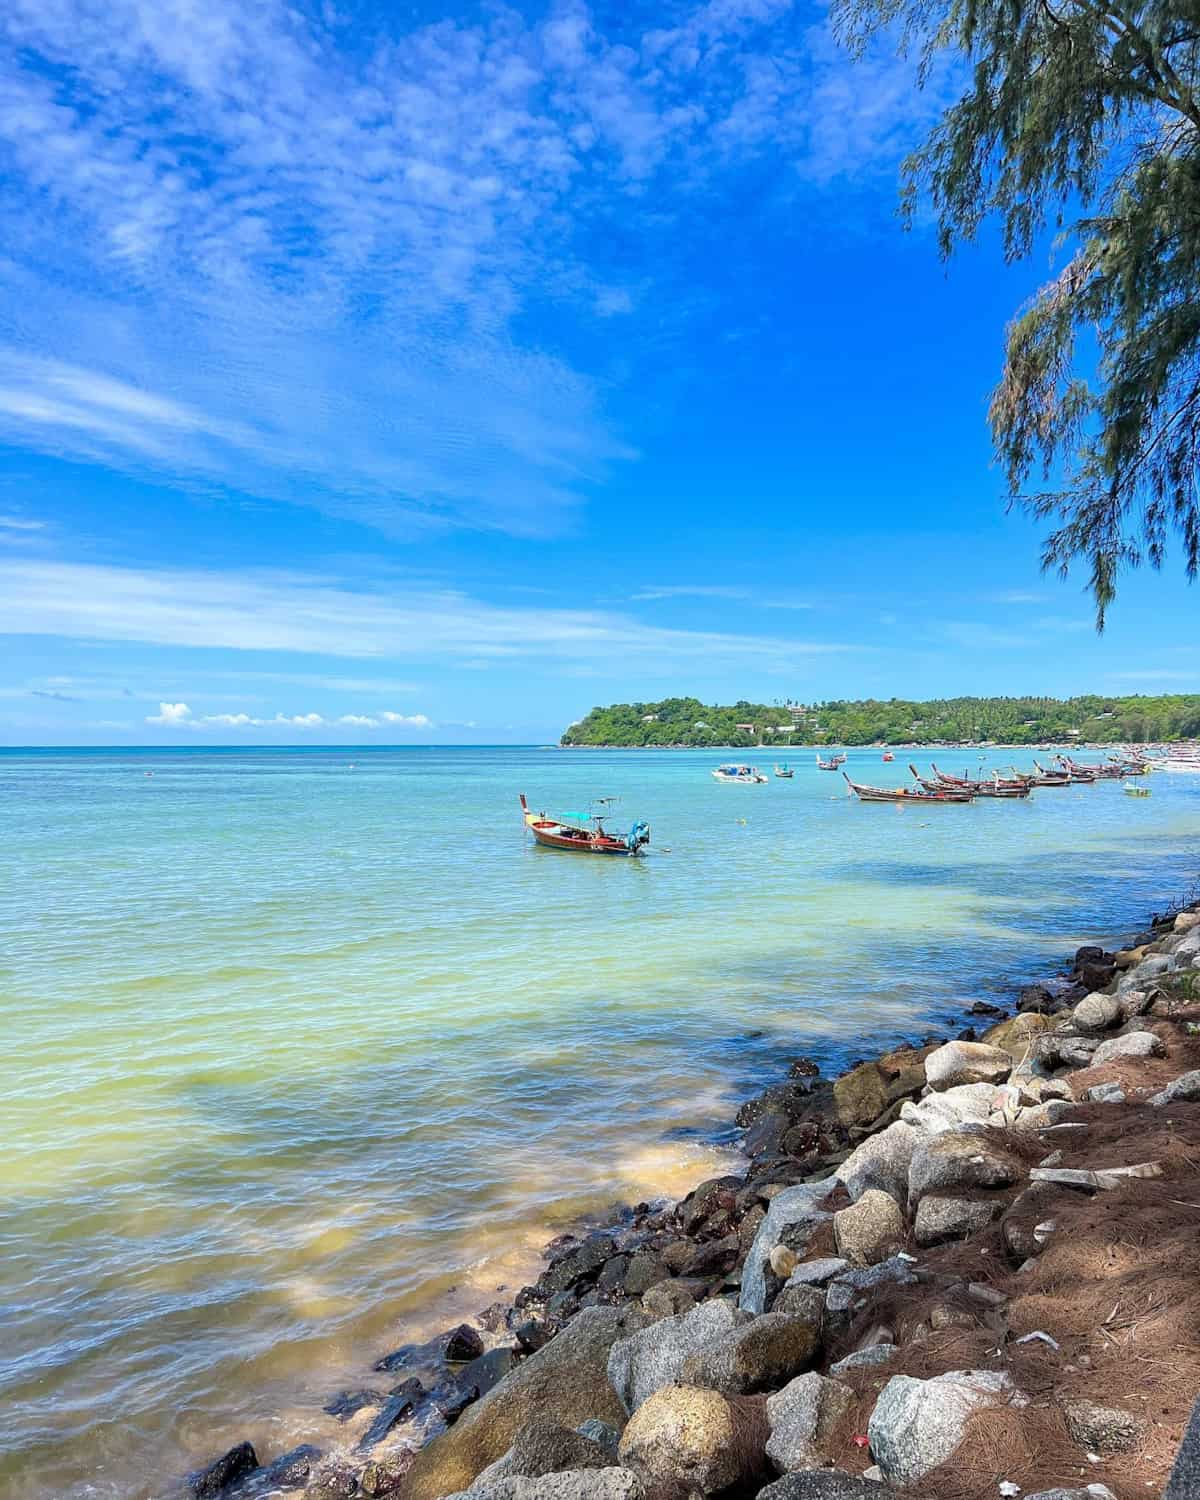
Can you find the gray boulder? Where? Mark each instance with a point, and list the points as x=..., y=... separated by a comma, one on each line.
x=956, y=1162
x=940, y=1219
x=1185, y=1088
x=1132, y=1044
x=881, y=1161
x=792, y=1216
x=851, y=1291
x=871, y=1229
x=807, y=1302
x=1104, y=1093
x=865, y=1359
x=667, y=1299
x=1096, y=1012
x=544, y=1446
x=653, y=1357
x=1184, y=1483
x=1089, y=1492
x=817, y=1272
x=567, y=1380
x=957, y=1063
x=824, y=1484
x=970, y=1103
x=917, y=1424
x=801, y=1418
x=688, y=1440
x=759, y=1356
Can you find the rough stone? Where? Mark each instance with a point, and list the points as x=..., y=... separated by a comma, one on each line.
x=653, y=1357
x=644, y=1271
x=917, y=1424
x=848, y=1291
x=1015, y=1036
x=667, y=1299
x=881, y=1162
x=791, y=1218
x=801, y=1417
x=694, y=1440
x=1184, y=1483
x=941, y=1219
x=758, y=1356
x=1089, y=1492
x=544, y=1446
x=815, y=1272
x=970, y=1103
x=567, y=1380
x=958, y=1161
x=800, y=1301
x=1102, y=1429
x=1132, y=1044
x=1096, y=1012
x=861, y=1095
x=1105, y=1093
x=864, y=1359
x=824, y=1484
x=959, y=1063
x=223, y=1472
x=1185, y=1088
x=871, y=1229
x=1134, y=1003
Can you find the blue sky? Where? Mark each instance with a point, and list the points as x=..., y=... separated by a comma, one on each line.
x=414, y=373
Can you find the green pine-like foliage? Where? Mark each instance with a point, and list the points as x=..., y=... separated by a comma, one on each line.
x=896, y=721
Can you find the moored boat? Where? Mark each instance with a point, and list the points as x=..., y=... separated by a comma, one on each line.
x=748, y=775
x=784, y=772
x=887, y=755
x=907, y=793
x=993, y=788
x=834, y=763
x=584, y=833
x=1131, y=789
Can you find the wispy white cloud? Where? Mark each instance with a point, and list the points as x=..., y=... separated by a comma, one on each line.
x=734, y=592
x=20, y=523
x=313, y=615
x=180, y=716
x=245, y=249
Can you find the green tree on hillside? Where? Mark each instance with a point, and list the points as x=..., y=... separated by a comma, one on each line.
x=1088, y=106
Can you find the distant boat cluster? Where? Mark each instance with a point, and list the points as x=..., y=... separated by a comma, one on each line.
x=944, y=787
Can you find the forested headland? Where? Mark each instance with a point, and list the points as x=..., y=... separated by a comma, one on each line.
x=894, y=721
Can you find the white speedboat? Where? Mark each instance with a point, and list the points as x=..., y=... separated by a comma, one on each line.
x=748, y=774
x=1177, y=760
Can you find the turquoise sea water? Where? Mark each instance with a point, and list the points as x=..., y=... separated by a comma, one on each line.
x=305, y=1049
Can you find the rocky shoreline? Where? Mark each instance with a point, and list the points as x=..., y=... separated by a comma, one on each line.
x=964, y=1268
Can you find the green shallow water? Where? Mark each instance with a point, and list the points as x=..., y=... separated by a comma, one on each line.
x=306, y=1049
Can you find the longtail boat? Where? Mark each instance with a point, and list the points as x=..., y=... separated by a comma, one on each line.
x=1050, y=778
x=993, y=788
x=784, y=772
x=585, y=835
x=832, y=764
x=907, y=793
x=985, y=788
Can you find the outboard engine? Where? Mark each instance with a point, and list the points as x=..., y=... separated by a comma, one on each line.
x=639, y=836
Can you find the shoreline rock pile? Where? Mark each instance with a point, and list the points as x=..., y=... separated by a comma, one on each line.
x=966, y=1268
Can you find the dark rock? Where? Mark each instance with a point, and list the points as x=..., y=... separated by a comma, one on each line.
x=713, y=1258
x=290, y=1471
x=452, y=1399
x=384, y=1476
x=396, y=1407
x=562, y=1307
x=748, y=1228
x=223, y=1472
x=801, y=1140
x=346, y=1403
x=860, y=1095
x=983, y=1008
x=767, y=1133
x=644, y=1269
x=1035, y=997
x=804, y=1067
x=1088, y=954
x=494, y=1318
x=611, y=1281
x=582, y=1263
x=412, y=1388
x=668, y=1299
x=967, y=1034
x=398, y=1358
x=782, y=1098
x=462, y=1344
x=337, y=1482
x=486, y=1371
x=532, y=1334
x=702, y=1202
x=1097, y=976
